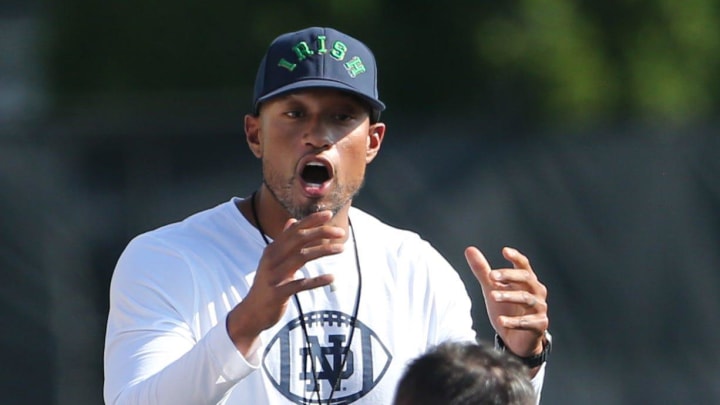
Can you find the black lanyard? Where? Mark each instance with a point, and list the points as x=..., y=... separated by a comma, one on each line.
x=308, y=348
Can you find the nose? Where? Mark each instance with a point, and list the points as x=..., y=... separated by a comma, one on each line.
x=319, y=135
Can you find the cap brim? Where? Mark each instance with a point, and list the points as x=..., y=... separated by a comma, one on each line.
x=376, y=104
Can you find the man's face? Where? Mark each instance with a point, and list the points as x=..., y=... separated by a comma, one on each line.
x=314, y=145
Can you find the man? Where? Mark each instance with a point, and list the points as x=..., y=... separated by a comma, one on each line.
x=465, y=373
x=291, y=295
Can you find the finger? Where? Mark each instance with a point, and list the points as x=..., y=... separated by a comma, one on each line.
x=519, y=260
x=518, y=277
x=304, y=284
x=312, y=220
x=479, y=266
x=522, y=274
x=537, y=304
x=320, y=235
x=513, y=279
x=283, y=265
x=311, y=231
x=290, y=222
x=309, y=253
x=535, y=322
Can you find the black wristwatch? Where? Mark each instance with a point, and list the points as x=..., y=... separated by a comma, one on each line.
x=531, y=361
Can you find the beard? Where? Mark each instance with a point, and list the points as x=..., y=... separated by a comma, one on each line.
x=339, y=196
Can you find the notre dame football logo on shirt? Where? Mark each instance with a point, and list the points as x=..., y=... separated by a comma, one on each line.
x=300, y=366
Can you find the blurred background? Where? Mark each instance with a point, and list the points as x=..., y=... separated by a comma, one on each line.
x=583, y=133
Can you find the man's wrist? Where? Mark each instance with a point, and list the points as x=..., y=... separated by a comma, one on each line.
x=530, y=361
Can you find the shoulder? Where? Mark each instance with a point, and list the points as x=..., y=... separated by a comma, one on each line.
x=202, y=227
x=399, y=245
x=173, y=246
x=382, y=232
x=217, y=218
x=413, y=269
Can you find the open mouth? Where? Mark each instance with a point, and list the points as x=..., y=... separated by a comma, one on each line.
x=315, y=174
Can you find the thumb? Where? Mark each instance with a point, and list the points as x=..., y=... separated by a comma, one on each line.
x=479, y=266
x=289, y=223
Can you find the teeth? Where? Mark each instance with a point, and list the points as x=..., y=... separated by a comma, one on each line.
x=316, y=164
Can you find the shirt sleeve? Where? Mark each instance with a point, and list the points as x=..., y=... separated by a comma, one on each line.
x=537, y=382
x=153, y=352
x=450, y=305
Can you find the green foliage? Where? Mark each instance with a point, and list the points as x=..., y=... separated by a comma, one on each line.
x=543, y=62
x=673, y=60
x=129, y=46
x=654, y=60
x=553, y=44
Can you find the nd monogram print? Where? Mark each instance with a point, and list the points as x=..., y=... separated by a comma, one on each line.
x=329, y=358
x=302, y=367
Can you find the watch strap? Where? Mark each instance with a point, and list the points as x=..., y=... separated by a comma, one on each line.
x=530, y=361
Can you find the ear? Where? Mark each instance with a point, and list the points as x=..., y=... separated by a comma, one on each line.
x=375, y=137
x=252, y=134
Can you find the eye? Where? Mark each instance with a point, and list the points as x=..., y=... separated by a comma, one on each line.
x=344, y=117
x=294, y=114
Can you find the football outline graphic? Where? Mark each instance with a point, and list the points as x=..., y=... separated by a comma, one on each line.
x=287, y=359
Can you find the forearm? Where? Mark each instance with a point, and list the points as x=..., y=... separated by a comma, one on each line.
x=202, y=375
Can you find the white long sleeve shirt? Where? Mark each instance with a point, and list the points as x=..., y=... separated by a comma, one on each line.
x=166, y=341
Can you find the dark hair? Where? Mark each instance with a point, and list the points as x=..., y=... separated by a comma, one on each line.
x=466, y=373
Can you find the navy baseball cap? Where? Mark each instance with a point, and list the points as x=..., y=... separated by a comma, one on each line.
x=318, y=57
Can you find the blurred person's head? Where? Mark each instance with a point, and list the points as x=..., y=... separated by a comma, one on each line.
x=456, y=373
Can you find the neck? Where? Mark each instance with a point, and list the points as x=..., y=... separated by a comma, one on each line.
x=273, y=216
